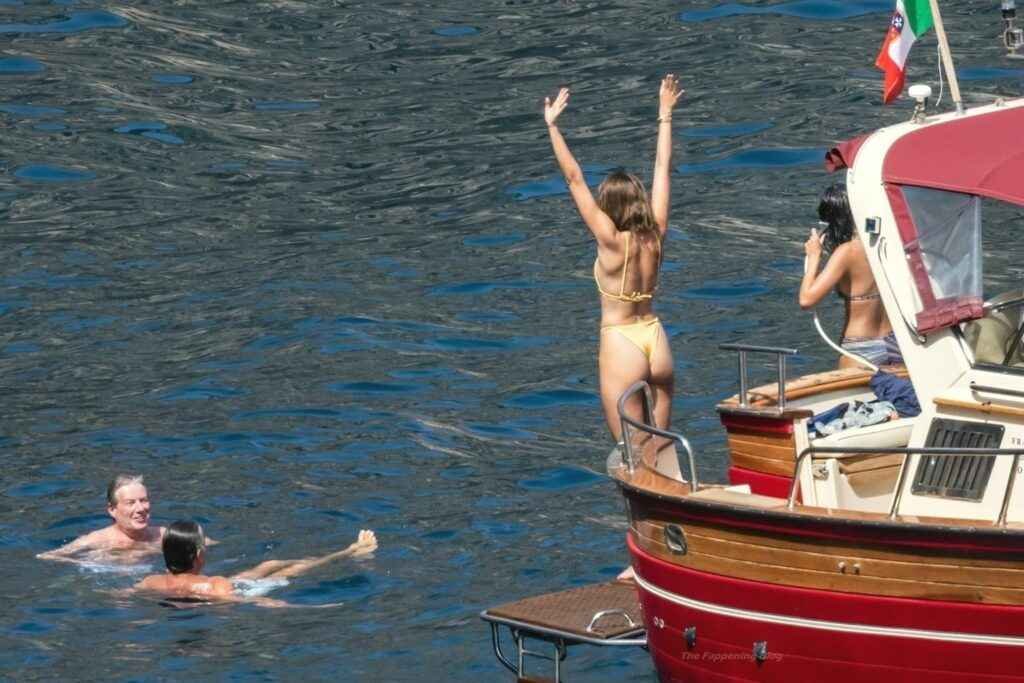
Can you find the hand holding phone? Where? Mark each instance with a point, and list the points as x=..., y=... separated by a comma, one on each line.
x=812, y=247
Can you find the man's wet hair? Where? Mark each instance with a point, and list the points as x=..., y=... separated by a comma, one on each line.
x=119, y=481
x=183, y=541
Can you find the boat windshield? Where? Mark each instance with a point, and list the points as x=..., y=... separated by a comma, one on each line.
x=942, y=239
x=949, y=235
x=995, y=338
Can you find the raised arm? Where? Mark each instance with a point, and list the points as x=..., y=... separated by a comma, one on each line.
x=814, y=285
x=668, y=96
x=596, y=220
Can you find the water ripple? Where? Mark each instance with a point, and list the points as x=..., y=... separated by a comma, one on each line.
x=757, y=159
x=824, y=10
x=45, y=173
x=31, y=111
x=375, y=387
x=555, y=185
x=562, y=478
x=76, y=23
x=550, y=398
x=21, y=65
x=456, y=31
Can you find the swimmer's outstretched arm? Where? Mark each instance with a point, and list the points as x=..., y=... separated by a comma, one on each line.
x=100, y=540
x=67, y=552
x=365, y=544
x=668, y=96
x=597, y=220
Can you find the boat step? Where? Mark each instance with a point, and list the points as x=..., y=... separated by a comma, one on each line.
x=598, y=614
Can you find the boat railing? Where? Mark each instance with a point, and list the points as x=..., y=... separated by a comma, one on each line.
x=780, y=360
x=647, y=426
x=906, y=452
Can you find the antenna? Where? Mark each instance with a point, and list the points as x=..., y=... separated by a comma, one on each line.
x=921, y=93
x=1013, y=37
x=947, y=56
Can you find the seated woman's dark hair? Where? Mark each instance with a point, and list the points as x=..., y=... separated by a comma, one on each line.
x=183, y=541
x=834, y=209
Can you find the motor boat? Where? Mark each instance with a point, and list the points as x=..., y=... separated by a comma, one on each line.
x=893, y=550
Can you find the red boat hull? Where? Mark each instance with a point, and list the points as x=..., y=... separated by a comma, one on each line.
x=761, y=483
x=815, y=635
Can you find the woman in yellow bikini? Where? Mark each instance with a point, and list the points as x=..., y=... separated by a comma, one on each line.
x=630, y=232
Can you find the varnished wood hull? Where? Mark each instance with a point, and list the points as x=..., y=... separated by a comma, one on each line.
x=831, y=599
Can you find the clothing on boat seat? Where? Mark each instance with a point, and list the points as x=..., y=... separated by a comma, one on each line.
x=644, y=334
x=852, y=414
x=633, y=297
x=898, y=391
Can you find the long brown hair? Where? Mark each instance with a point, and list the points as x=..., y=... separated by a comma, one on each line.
x=622, y=196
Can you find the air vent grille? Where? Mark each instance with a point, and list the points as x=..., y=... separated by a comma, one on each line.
x=957, y=476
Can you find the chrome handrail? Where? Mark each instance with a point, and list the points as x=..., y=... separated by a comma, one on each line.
x=780, y=357
x=907, y=451
x=982, y=388
x=647, y=426
x=610, y=612
x=1009, y=303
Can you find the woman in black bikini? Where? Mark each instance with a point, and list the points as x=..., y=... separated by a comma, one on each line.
x=630, y=232
x=867, y=331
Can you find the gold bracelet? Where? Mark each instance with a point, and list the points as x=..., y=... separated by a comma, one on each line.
x=664, y=119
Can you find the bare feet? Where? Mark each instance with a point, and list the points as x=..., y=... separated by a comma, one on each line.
x=365, y=544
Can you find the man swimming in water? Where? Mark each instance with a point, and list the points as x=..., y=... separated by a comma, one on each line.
x=128, y=539
x=184, y=548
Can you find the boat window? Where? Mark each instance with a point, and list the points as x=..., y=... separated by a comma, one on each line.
x=949, y=234
x=995, y=338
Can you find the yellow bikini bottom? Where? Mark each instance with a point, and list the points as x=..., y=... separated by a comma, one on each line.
x=643, y=334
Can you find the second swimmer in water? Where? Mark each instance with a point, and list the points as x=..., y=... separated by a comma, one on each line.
x=630, y=230
x=184, y=548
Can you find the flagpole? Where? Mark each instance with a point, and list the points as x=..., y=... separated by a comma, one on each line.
x=947, y=57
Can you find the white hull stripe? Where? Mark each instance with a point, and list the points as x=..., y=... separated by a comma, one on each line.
x=859, y=629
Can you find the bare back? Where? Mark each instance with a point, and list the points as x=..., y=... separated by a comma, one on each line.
x=187, y=585
x=865, y=315
x=629, y=267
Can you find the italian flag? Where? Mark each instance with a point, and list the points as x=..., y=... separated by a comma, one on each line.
x=909, y=21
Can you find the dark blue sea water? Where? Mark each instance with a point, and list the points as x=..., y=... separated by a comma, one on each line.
x=310, y=268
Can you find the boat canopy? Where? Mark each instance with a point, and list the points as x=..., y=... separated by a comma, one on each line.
x=978, y=155
x=842, y=155
x=934, y=178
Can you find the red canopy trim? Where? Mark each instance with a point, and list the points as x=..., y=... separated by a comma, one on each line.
x=978, y=155
x=935, y=314
x=949, y=312
x=842, y=155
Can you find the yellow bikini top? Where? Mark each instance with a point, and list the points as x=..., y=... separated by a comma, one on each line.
x=633, y=297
